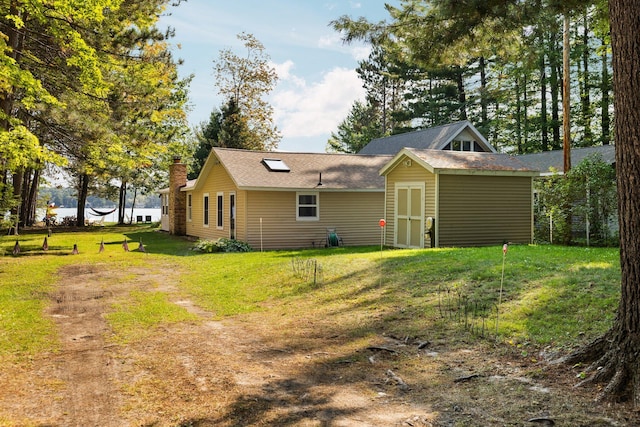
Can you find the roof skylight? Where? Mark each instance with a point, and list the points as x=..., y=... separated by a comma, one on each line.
x=276, y=165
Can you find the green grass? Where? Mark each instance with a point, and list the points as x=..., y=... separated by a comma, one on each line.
x=551, y=295
x=141, y=313
x=28, y=278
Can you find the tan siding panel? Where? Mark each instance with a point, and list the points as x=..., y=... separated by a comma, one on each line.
x=400, y=174
x=354, y=215
x=217, y=181
x=484, y=210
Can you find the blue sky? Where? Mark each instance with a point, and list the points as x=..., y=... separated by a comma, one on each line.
x=317, y=80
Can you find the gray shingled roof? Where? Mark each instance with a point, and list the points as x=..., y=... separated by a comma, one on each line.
x=433, y=138
x=546, y=160
x=339, y=171
x=467, y=162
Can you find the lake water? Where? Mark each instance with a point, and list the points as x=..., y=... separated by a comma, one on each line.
x=155, y=214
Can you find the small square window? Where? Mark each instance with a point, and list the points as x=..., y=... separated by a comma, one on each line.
x=307, y=207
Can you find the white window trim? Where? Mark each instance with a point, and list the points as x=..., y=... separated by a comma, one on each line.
x=317, y=205
x=189, y=207
x=206, y=214
x=219, y=197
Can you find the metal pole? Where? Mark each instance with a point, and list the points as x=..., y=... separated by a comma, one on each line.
x=505, y=247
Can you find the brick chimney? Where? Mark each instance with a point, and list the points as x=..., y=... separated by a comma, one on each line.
x=177, y=198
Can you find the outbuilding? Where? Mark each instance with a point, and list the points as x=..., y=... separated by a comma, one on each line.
x=437, y=198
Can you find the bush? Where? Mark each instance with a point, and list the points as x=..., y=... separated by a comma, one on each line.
x=221, y=245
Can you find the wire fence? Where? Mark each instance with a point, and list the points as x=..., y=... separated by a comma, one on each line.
x=477, y=317
x=308, y=270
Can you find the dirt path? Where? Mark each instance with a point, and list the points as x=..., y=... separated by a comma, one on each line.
x=85, y=364
x=206, y=373
x=265, y=369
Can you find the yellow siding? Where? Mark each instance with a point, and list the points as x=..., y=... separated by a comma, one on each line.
x=217, y=181
x=404, y=174
x=484, y=210
x=354, y=215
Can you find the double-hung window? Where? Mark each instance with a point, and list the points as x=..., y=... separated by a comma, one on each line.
x=220, y=211
x=307, y=206
x=189, y=208
x=205, y=210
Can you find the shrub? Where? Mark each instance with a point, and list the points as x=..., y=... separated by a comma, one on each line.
x=221, y=245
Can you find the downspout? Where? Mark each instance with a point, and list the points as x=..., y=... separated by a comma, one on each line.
x=384, y=212
x=533, y=230
x=437, y=210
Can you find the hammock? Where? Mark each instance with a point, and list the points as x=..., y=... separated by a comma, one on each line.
x=102, y=213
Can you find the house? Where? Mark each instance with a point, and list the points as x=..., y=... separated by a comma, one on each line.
x=278, y=200
x=596, y=215
x=458, y=136
x=550, y=162
x=450, y=189
x=447, y=198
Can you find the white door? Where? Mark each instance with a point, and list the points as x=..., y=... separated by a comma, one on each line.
x=409, y=226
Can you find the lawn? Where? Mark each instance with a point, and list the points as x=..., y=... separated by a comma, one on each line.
x=168, y=336
x=549, y=295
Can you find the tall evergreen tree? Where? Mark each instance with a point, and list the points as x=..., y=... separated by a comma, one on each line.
x=614, y=356
x=357, y=130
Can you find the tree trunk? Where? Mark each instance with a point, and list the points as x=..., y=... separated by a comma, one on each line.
x=566, y=95
x=133, y=203
x=83, y=190
x=616, y=354
x=15, y=211
x=554, y=83
x=605, y=120
x=518, y=117
x=585, y=97
x=122, y=201
x=544, y=125
x=32, y=198
x=462, y=94
x=484, y=101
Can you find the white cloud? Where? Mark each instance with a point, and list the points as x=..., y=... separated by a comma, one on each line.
x=283, y=71
x=317, y=109
x=332, y=40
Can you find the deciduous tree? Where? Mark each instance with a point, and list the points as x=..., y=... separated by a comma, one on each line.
x=245, y=81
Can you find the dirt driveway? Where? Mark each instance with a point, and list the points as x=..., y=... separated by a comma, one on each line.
x=268, y=369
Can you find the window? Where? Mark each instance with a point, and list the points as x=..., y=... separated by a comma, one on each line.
x=220, y=217
x=189, y=208
x=463, y=146
x=276, y=165
x=165, y=204
x=307, y=207
x=205, y=210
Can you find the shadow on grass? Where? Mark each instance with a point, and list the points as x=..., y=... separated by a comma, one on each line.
x=401, y=305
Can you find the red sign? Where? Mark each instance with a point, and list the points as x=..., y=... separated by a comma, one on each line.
x=382, y=222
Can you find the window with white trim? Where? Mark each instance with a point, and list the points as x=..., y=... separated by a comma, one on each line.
x=165, y=204
x=189, y=208
x=205, y=210
x=464, y=145
x=220, y=211
x=307, y=206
